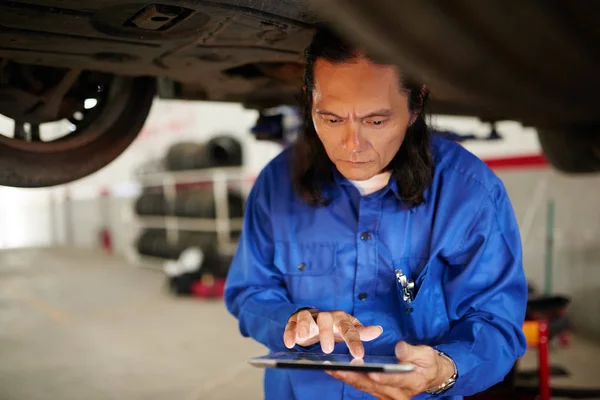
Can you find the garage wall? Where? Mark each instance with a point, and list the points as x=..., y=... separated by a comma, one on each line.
x=576, y=253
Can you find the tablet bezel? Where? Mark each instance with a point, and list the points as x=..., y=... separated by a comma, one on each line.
x=272, y=361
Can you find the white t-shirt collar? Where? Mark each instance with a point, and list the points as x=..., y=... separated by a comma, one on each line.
x=372, y=184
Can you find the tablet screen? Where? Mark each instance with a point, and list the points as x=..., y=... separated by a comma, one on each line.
x=368, y=363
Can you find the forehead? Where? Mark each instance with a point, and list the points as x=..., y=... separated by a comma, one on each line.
x=355, y=80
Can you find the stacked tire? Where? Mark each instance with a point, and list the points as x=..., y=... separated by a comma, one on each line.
x=192, y=202
x=156, y=243
x=220, y=151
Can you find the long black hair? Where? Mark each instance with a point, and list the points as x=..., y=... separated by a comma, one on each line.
x=412, y=166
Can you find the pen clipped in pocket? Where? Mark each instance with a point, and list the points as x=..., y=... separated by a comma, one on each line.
x=407, y=286
x=420, y=293
x=406, y=289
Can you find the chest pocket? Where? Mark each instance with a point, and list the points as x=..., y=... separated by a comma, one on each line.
x=309, y=272
x=424, y=320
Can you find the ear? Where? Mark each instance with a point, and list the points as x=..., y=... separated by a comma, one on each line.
x=423, y=93
x=413, y=118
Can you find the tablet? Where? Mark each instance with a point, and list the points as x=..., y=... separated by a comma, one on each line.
x=340, y=362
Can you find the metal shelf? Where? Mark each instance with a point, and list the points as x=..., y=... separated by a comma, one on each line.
x=227, y=174
x=222, y=225
x=187, y=223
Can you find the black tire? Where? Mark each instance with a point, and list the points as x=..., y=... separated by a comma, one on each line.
x=220, y=151
x=200, y=203
x=193, y=203
x=185, y=156
x=224, y=151
x=69, y=160
x=572, y=152
x=151, y=204
x=154, y=242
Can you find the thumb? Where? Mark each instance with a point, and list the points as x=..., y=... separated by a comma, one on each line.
x=407, y=353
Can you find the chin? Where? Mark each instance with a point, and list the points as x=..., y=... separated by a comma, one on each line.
x=356, y=173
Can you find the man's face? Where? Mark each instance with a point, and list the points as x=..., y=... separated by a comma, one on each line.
x=360, y=115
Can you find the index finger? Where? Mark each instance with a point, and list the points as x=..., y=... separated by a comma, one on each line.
x=289, y=334
x=304, y=320
x=351, y=336
x=326, y=336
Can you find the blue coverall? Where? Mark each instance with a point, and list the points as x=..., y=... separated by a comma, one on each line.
x=461, y=247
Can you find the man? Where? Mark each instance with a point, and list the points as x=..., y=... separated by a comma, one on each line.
x=363, y=195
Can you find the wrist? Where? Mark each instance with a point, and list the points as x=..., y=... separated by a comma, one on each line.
x=446, y=374
x=448, y=369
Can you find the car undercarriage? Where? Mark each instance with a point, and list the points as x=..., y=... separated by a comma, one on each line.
x=99, y=64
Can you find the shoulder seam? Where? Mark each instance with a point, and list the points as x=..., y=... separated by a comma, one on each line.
x=468, y=175
x=490, y=198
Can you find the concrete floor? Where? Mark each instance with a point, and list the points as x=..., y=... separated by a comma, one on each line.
x=82, y=325
x=77, y=324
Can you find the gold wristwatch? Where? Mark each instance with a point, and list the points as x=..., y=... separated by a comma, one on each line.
x=448, y=383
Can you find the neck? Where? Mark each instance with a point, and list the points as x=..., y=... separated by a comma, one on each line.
x=372, y=184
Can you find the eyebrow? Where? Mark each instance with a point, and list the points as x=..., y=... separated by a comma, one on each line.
x=379, y=113
x=329, y=113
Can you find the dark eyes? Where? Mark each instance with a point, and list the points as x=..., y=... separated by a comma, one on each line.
x=376, y=122
x=373, y=122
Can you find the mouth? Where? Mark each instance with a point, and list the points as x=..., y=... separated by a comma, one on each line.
x=356, y=162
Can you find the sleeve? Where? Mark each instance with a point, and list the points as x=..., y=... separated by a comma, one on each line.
x=486, y=299
x=255, y=292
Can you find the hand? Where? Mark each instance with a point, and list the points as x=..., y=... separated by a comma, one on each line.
x=308, y=327
x=431, y=371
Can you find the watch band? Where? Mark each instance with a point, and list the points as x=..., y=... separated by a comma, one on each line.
x=448, y=383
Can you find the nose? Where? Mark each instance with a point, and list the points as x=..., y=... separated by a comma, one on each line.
x=353, y=140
